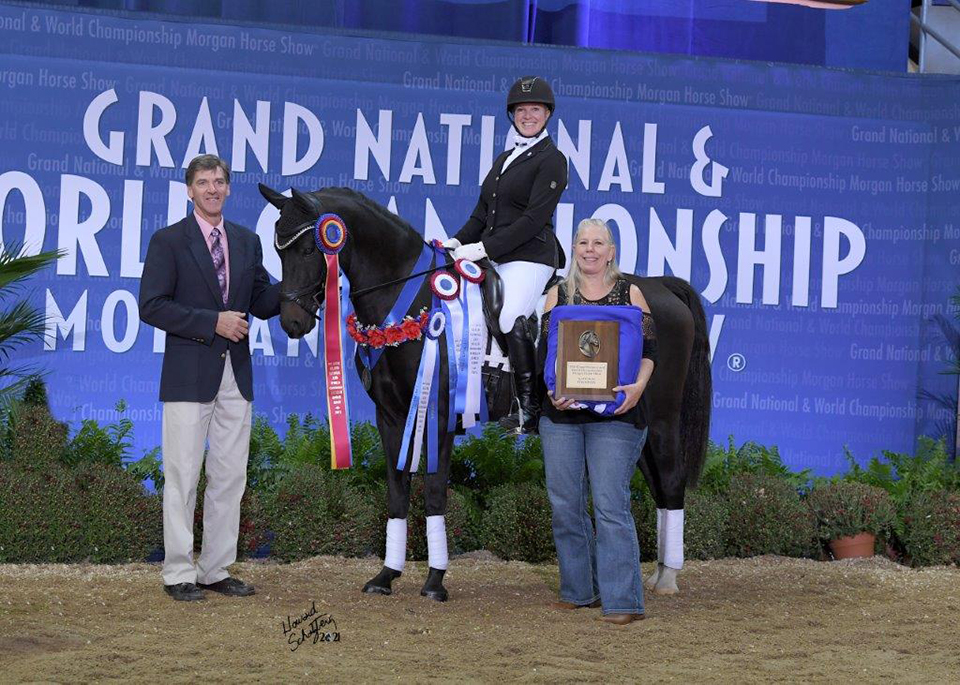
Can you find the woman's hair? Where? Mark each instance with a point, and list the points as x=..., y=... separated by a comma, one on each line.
x=612, y=272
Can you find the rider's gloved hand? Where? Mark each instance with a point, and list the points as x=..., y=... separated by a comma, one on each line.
x=451, y=244
x=471, y=251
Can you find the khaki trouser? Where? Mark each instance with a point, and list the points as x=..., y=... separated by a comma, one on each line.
x=186, y=429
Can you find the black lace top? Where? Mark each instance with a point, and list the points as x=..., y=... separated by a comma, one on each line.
x=618, y=295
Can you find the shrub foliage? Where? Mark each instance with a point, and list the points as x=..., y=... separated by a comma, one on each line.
x=81, y=497
x=94, y=513
x=931, y=528
x=768, y=517
x=517, y=524
x=849, y=508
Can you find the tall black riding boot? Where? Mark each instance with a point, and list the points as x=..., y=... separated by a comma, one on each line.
x=523, y=359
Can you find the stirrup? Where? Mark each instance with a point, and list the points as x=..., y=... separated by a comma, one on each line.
x=512, y=423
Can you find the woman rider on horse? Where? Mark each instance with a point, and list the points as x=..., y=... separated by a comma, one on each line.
x=512, y=225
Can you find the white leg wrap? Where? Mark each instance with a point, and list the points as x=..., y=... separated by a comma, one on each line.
x=661, y=534
x=396, y=544
x=437, y=542
x=673, y=543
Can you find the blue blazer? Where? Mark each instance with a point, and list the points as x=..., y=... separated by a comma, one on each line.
x=179, y=294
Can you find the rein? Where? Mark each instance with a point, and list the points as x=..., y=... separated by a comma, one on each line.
x=296, y=295
x=403, y=279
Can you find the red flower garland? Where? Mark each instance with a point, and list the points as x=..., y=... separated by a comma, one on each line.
x=409, y=328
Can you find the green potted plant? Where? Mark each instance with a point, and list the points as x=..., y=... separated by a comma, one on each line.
x=850, y=516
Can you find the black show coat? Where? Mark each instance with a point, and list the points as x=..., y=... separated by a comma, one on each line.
x=514, y=215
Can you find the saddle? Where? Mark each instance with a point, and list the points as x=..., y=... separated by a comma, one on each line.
x=497, y=374
x=492, y=290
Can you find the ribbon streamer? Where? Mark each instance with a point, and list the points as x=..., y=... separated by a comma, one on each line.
x=422, y=416
x=476, y=341
x=338, y=413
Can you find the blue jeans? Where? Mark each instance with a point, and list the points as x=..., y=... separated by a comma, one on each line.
x=605, y=565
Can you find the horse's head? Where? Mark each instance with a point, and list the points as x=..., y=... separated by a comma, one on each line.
x=304, y=268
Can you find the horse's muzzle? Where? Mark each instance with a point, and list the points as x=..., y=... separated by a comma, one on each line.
x=296, y=297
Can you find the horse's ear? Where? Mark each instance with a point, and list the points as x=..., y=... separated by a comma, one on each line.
x=272, y=196
x=308, y=203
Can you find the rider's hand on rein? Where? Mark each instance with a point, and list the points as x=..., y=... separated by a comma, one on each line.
x=473, y=252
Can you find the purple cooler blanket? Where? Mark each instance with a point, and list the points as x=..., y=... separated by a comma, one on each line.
x=631, y=346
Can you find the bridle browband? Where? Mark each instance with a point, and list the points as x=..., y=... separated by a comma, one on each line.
x=299, y=231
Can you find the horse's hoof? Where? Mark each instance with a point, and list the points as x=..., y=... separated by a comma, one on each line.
x=651, y=582
x=437, y=595
x=667, y=583
x=380, y=583
x=433, y=588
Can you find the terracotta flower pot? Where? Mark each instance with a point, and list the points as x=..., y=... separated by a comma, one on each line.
x=853, y=546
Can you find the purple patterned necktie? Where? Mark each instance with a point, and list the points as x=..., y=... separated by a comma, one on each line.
x=219, y=262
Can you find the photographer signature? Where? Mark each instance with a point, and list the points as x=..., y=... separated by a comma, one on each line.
x=310, y=625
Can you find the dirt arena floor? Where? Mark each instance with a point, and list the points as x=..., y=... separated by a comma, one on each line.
x=768, y=619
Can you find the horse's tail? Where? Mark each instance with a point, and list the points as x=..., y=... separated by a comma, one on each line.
x=698, y=385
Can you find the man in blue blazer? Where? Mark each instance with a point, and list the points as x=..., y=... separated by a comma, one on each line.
x=201, y=278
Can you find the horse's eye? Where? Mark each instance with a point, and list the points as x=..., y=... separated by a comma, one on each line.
x=309, y=248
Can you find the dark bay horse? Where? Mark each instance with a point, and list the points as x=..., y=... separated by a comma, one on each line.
x=381, y=248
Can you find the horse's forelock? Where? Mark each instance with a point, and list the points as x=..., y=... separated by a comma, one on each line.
x=291, y=218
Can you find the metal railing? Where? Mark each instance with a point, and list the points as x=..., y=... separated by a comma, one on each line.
x=927, y=30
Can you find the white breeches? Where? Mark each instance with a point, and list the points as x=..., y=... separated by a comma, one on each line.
x=523, y=284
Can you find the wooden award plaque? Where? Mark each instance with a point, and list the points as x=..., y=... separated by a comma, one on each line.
x=588, y=357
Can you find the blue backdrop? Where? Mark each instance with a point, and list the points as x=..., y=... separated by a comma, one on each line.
x=816, y=210
x=869, y=36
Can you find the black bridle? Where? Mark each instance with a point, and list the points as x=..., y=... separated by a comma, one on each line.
x=314, y=290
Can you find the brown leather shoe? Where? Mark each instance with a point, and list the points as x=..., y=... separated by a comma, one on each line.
x=621, y=619
x=567, y=606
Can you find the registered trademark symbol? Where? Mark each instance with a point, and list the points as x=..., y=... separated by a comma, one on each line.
x=736, y=362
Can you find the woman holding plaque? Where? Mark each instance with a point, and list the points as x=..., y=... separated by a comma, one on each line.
x=597, y=447
x=512, y=225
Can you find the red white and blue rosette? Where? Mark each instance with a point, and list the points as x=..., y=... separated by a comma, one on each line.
x=469, y=270
x=445, y=285
x=330, y=233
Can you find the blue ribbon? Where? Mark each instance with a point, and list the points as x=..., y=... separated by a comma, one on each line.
x=453, y=375
x=431, y=429
x=409, y=426
x=433, y=458
x=401, y=307
x=463, y=362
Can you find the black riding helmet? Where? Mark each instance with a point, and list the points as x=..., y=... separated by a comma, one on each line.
x=529, y=89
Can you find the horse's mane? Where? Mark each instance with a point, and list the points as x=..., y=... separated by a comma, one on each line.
x=340, y=195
